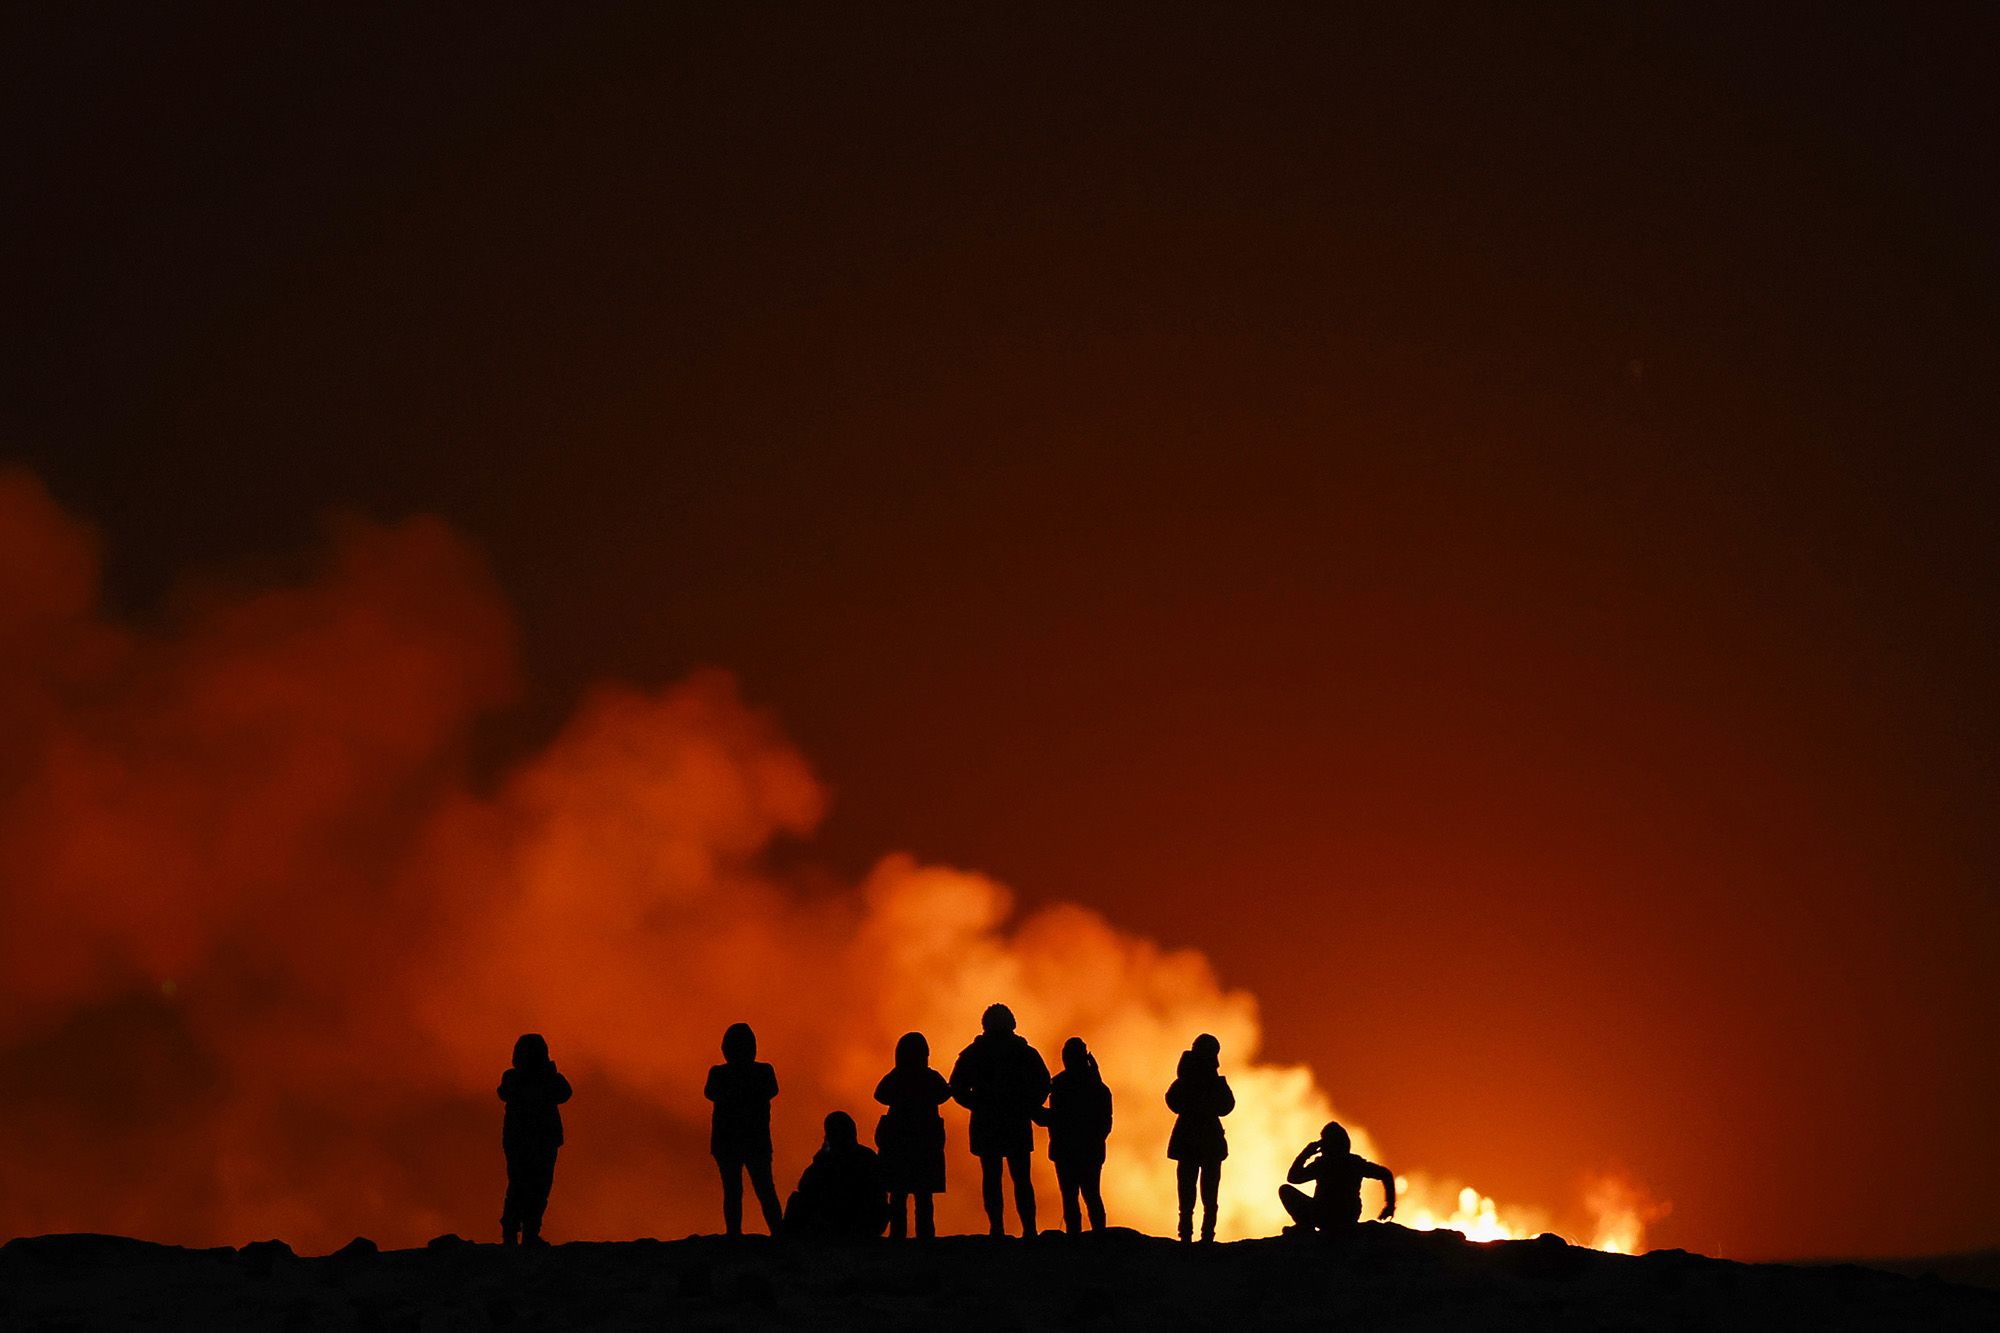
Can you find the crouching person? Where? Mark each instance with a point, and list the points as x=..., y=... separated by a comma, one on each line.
x=1334, y=1206
x=841, y=1195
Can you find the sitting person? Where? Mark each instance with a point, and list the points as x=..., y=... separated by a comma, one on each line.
x=840, y=1196
x=1334, y=1207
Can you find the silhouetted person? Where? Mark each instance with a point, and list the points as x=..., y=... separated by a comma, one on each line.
x=739, y=1135
x=1334, y=1206
x=840, y=1195
x=530, y=1135
x=1199, y=1098
x=910, y=1135
x=1002, y=1080
x=1079, y=1119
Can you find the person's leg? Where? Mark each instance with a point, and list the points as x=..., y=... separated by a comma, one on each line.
x=541, y=1179
x=510, y=1208
x=1091, y=1179
x=989, y=1194
x=1024, y=1191
x=1066, y=1190
x=1211, y=1188
x=732, y=1195
x=767, y=1196
x=926, y=1218
x=1184, y=1177
x=1299, y=1204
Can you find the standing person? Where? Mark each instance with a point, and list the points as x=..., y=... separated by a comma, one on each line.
x=840, y=1195
x=1199, y=1098
x=910, y=1135
x=1334, y=1206
x=739, y=1135
x=530, y=1135
x=1002, y=1080
x=1079, y=1119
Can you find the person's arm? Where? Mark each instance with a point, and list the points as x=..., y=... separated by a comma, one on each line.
x=1174, y=1097
x=1301, y=1171
x=708, y=1088
x=1225, y=1100
x=770, y=1081
x=1388, y=1179
x=940, y=1090
x=1107, y=1112
x=507, y=1086
x=961, y=1083
x=882, y=1088
x=559, y=1090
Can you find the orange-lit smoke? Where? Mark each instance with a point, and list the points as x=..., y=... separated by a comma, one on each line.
x=266, y=945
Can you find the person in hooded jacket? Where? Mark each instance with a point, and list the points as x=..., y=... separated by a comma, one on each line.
x=840, y=1195
x=1002, y=1080
x=531, y=1133
x=1335, y=1172
x=739, y=1136
x=1199, y=1098
x=1078, y=1117
x=910, y=1135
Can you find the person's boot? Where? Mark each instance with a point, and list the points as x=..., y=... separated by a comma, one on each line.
x=1187, y=1226
x=1207, y=1228
x=510, y=1234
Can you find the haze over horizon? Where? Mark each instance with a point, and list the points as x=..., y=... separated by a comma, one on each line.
x=1478, y=523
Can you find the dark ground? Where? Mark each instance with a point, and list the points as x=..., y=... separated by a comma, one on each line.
x=1393, y=1278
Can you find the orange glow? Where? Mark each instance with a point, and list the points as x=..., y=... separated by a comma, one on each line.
x=268, y=947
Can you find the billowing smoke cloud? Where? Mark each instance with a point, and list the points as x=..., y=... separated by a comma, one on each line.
x=266, y=945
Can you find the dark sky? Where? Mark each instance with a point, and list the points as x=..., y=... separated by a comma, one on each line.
x=1481, y=519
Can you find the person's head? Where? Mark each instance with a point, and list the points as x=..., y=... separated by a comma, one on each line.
x=530, y=1050
x=1333, y=1139
x=840, y=1131
x=1203, y=1057
x=739, y=1044
x=912, y=1051
x=997, y=1019
x=1076, y=1056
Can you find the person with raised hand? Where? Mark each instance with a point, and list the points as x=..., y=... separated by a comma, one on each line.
x=531, y=1134
x=1199, y=1097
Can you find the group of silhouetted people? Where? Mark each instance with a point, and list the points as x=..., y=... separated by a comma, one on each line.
x=850, y=1191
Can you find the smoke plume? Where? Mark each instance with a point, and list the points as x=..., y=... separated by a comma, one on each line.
x=266, y=944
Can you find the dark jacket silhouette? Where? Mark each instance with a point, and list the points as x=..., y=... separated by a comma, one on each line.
x=1199, y=1098
x=910, y=1134
x=1078, y=1117
x=1336, y=1175
x=1003, y=1081
x=840, y=1196
x=1079, y=1111
x=530, y=1135
x=739, y=1131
